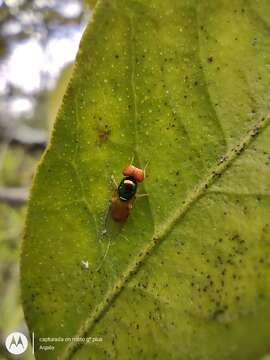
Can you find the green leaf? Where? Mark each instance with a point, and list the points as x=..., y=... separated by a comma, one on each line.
x=184, y=85
x=90, y=3
x=56, y=95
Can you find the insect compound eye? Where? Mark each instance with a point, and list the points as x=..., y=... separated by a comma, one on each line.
x=136, y=173
x=127, y=188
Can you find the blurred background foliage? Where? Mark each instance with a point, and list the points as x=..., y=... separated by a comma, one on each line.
x=38, y=44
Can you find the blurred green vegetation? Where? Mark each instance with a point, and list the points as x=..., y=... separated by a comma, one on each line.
x=31, y=19
x=16, y=170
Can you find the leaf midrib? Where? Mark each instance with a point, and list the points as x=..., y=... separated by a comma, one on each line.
x=197, y=192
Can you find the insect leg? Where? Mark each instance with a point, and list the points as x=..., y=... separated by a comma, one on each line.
x=132, y=159
x=105, y=254
x=141, y=195
x=113, y=181
x=103, y=231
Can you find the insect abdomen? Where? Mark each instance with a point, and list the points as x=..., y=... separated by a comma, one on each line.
x=120, y=210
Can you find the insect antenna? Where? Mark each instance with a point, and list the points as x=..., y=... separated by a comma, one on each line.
x=146, y=165
x=133, y=158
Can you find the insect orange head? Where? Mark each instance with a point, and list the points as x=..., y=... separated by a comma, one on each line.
x=136, y=173
x=128, y=170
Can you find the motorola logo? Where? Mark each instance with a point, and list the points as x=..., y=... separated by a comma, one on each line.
x=16, y=343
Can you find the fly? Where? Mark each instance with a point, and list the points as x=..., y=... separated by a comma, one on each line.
x=123, y=198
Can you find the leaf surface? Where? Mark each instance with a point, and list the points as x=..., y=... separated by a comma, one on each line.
x=184, y=85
